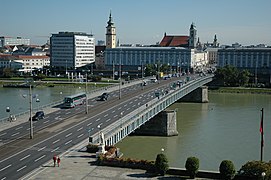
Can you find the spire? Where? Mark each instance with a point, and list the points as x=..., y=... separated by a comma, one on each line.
x=192, y=26
x=110, y=21
x=165, y=34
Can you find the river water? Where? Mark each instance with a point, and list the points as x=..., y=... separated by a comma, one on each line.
x=226, y=128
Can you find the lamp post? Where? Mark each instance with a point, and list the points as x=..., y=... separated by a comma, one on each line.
x=121, y=114
x=99, y=127
x=120, y=74
x=113, y=69
x=256, y=73
x=263, y=175
x=8, y=111
x=162, y=150
x=142, y=74
x=30, y=112
x=37, y=101
x=86, y=93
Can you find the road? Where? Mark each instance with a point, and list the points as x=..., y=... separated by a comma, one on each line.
x=62, y=129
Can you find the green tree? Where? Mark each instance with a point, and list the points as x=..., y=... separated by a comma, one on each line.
x=7, y=72
x=227, y=169
x=192, y=166
x=254, y=169
x=161, y=164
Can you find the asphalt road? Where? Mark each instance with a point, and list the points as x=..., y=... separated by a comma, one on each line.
x=62, y=129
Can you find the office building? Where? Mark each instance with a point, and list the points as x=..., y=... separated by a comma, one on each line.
x=11, y=41
x=72, y=50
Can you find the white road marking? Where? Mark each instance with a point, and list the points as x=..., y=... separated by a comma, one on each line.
x=127, y=109
x=125, y=105
x=55, y=149
x=58, y=112
x=15, y=134
x=3, y=134
x=56, y=141
x=119, y=108
x=106, y=115
x=69, y=112
x=68, y=135
x=113, y=111
x=89, y=124
x=115, y=115
x=5, y=168
x=42, y=148
x=80, y=135
x=21, y=168
x=68, y=142
x=80, y=129
x=133, y=105
x=19, y=127
x=108, y=120
x=45, y=121
x=25, y=157
x=40, y=158
x=4, y=178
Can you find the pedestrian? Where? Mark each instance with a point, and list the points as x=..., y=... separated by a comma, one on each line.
x=58, y=161
x=54, y=159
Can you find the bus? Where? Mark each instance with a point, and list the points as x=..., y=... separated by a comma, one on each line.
x=74, y=100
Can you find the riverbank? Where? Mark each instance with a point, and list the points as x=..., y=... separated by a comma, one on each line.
x=239, y=90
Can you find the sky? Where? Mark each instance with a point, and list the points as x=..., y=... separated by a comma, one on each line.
x=140, y=21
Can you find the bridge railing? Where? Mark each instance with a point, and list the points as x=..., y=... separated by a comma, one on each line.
x=148, y=110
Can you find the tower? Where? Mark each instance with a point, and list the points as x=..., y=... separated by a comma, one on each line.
x=110, y=33
x=215, y=43
x=192, y=36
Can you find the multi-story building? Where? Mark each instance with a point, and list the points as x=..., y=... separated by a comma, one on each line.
x=11, y=41
x=72, y=49
x=131, y=58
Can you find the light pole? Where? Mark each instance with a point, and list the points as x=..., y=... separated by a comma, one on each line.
x=37, y=101
x=30, y=112
x=256, y=73
x=120, y=74
x=99, y=127
x=8, y=111
x=162, y=150
x=142, y=74
x=113, y=68
x=86, y=93
x=263, y=175
x=121, y=114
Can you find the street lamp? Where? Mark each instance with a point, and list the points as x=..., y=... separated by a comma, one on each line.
x=37, y=101
x=162, y=150
x=120, y=74
x=263, y=175
x=86, y=94
x=121, y=114
x=8, y=111
x=30, y=112
x=99, y=127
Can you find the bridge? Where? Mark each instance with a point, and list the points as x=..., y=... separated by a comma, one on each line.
x=159, y=100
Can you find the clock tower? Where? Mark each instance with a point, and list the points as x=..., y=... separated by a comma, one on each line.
x=110, y=33
x=192, y=36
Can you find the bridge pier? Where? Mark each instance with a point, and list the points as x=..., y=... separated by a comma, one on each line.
x=163, y=124
x=199, y=95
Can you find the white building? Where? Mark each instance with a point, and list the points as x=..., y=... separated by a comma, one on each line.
x=11, y=41
x=72, y=49
x=131, y=58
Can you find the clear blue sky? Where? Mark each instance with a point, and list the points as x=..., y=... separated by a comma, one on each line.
x=140, y=21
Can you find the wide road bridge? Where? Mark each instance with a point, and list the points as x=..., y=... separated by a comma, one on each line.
x=64, y=128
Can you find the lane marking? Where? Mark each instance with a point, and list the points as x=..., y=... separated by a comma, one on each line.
x=108, y=120
x=25, y=157
x=56, y=141
x=113, y=111
x=15, y=134
x=119, y=108
x=115, y=115
x=80, y=129
x=127, y=109
x=68, y=142
x=80, y=135
x=106, y=115
x=40, y=158
x=5, y=168
x=68, y=135
x=19, y=127
x=55, y=149
x=89, y=124
x=4, y=178
x=45, y=121
x=69, y=112
x=42, y=148
x=21, y=168
x=3, y=134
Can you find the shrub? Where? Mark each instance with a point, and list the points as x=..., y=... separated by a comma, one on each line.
x=161, y=164
x=227, y=169
x=255, y=169
x=192, y=166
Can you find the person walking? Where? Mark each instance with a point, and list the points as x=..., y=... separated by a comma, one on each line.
x=54, y=159
x=58, y=161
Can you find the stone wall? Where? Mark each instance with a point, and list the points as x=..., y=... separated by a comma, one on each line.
x=199, y=95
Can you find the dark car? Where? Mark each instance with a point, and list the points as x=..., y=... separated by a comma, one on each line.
x=103, y=97
x=39, y=115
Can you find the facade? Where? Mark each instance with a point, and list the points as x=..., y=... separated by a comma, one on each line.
x=132, y=58
x=245, y=58
x=72, y=49
x=11, y=41
x=110, y=33
x=212, y=55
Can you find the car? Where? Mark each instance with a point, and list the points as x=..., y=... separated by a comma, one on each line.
x=103, y=97
x=38, y=116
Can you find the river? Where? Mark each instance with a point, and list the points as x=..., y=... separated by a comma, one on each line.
x=226, y=128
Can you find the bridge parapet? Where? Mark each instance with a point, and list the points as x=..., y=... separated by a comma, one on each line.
x=128, y=123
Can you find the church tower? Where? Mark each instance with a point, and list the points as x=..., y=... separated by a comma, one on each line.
x=110, y=33
x=215, y=43
x=192, y=36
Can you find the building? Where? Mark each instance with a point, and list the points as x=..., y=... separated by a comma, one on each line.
x=11, y=41
x=256, y=60
x=71, y=50
x=132, y=58
x=181, y=41
x=110, y=33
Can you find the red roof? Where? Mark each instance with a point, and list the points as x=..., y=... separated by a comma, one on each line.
x=174, y=41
